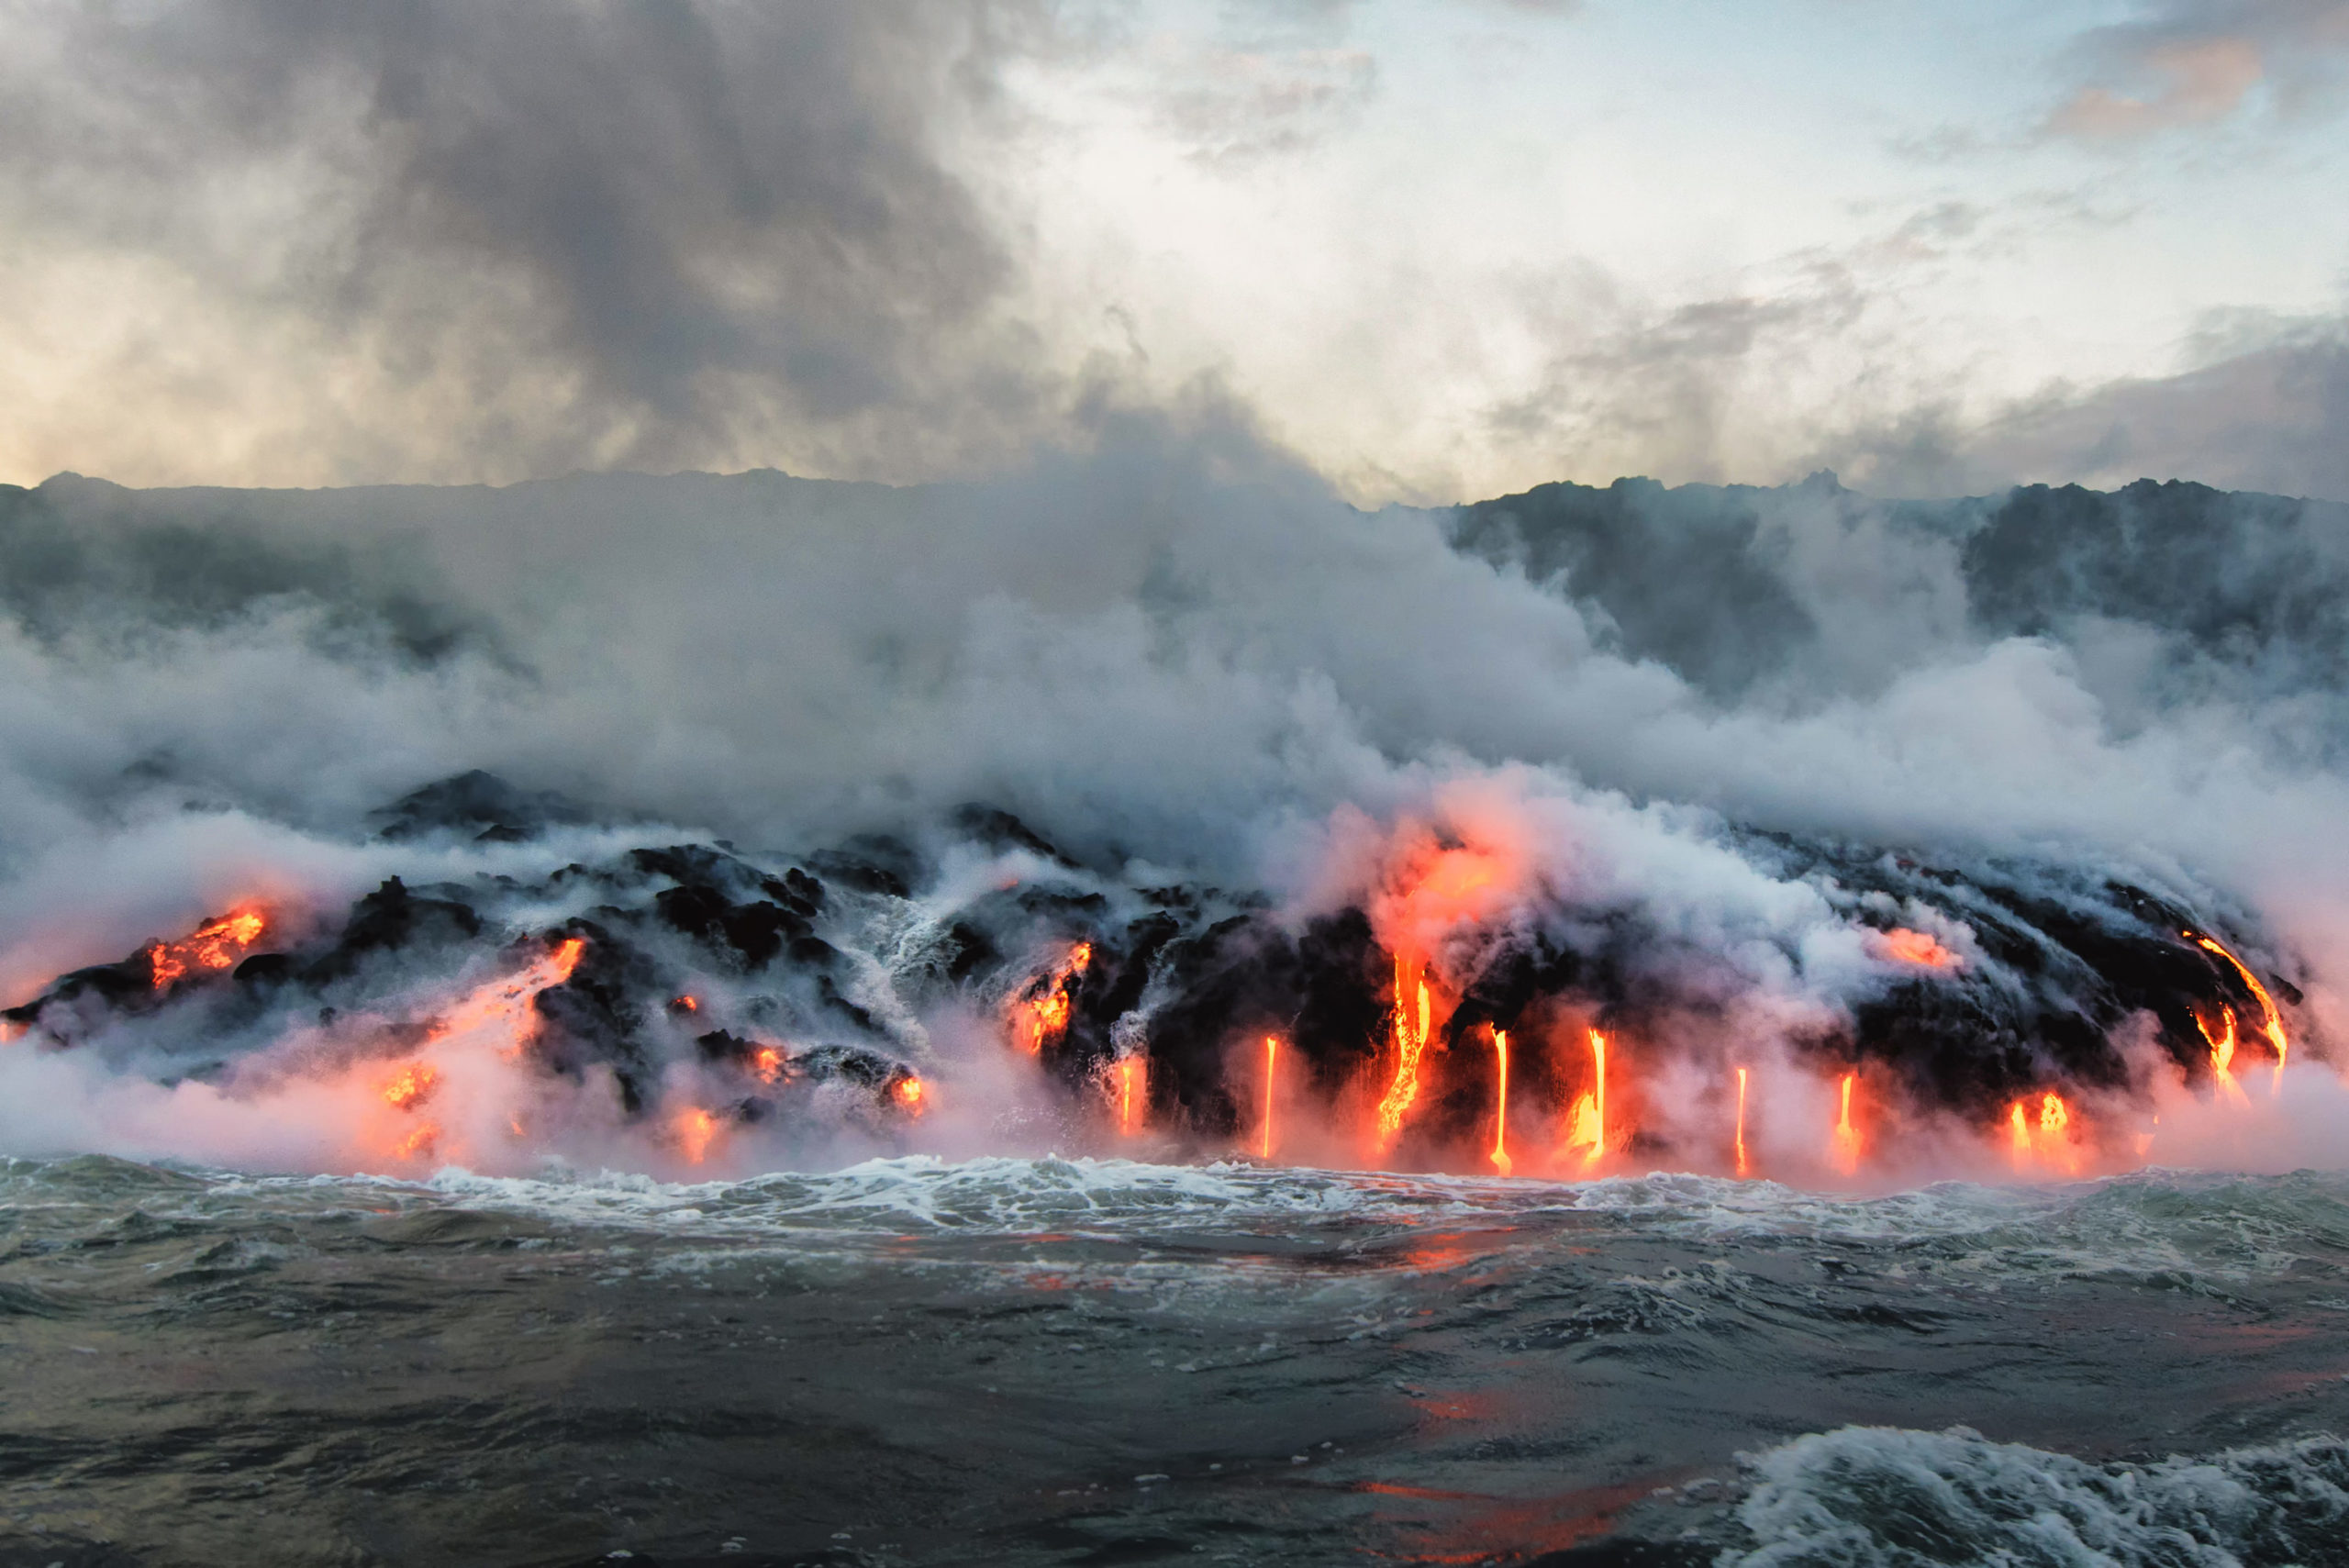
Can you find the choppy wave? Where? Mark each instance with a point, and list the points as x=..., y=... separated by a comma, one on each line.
x=1882, y=1497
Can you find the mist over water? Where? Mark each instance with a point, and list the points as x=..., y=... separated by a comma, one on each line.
x=1860, y=832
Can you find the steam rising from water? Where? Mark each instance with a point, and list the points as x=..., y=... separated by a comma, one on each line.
x=1182, y=662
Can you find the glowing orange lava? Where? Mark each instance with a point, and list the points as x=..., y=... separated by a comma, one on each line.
x=2222, y=1056
x=412, y=1088
x=1744, y=1166
x=214, y=945
x=417, y=1145
x=2271, y=1022
x=506, y=1002
x=687, y=1004
x=911, y=1095
x=767, y=1064
x=1500, y=1104
x=1272, y=1060
x=1129, y=1077
x=1586, y=1125
x=1918, y=948
x=696, y=1130
x=1410, y=1045
x=2043, y=1134
x=1045, y=1009
x=1845, y=1149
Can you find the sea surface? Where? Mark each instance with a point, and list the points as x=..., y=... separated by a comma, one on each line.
x=1032, y=1362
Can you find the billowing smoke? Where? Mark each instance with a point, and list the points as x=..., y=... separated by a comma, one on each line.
x=1153, y=801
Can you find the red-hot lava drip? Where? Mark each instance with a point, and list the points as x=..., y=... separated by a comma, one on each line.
x=1271, y=1065
x=1410, y=1045
x=2222, y=1056
x=767, y=1064
x=1744, y=1166
x=1129, y=1083
x=213, y=946
x=1587, y=1123
x=2271, y=1021
x=911, y=1095
x=1844, y=1147
x=1501, y=1161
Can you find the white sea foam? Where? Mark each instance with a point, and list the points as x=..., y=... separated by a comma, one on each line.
x=1885, y=1497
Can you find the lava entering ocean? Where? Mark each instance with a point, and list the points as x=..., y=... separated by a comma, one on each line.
x=1434, y=1013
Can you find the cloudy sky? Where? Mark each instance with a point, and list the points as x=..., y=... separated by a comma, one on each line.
x=1439, y=250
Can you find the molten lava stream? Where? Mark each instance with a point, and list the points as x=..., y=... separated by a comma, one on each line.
x=1844, y=1147
x=1501, y=1162
x=2222, y=1058
x=1587, y=1126
x=2271, y=1021
x=696, y=1130
x=1744, y=1166
x=1129, y=1085
x=1410, y=1045
x=1272, y=1070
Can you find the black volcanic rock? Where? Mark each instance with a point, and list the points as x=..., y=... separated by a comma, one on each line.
x=476, y=804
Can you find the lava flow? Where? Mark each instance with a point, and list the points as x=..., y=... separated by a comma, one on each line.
x=1918, y=948
x=1129, y=1081
x=412, y=1088
x=1587, y=1127
x=1043, y=1008
x=2045, y=1136
x=2271, y=1021
x=1272, y=1062
x=1744, y=1166
x=1501, y=1162
x=1844, y=1151
x=506, y=1002
x=2222, y=1056
x=213, y=946
x=1410, y=1045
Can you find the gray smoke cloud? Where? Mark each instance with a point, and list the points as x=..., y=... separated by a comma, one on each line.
x=608, y=232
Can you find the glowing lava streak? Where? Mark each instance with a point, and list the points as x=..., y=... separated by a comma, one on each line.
x=1272, y=1060
x=1128, y=1073
x=2222, y=1057
x=696, y=1130
x=1846, y=1148
x=1587, y=1128
x=1500, y=1104
x=767, y=1064
x=911, y=1096
x=214, y=945
x=506, y=1003
x=1744, y=1166
x=2271, y=1022
x=2019, y=1125
x=1410, y=1045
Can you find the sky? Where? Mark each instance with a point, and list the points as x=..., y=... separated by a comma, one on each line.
x=1437, y=250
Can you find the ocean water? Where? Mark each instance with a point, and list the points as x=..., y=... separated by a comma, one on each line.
x=1077, y=1361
